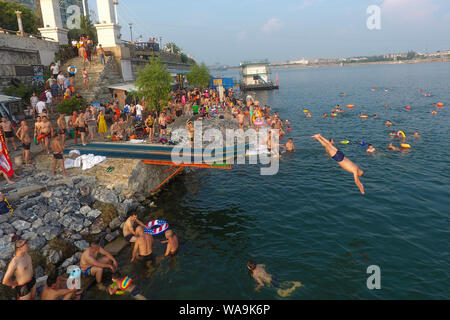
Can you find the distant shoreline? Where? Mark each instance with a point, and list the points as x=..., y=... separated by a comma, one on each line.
x=301, y=66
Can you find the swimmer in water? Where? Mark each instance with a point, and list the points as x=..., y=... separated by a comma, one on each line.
x=290, y=145
x=388, y=123
x=433, y=112
x=416, y=134
x=375, y=116
x=343, y=161
x=371, y=149
x=308, y=115
x=325, y=115
x=265, y=279
x=392, y=148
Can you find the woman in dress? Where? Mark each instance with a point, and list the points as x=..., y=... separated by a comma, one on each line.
x=102, y=127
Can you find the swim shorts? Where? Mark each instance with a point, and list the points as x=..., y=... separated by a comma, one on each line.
x=9, y=134
x=150, y=257
x=87, y=272
x=26, y=288
x=274, y=282
x=81, y=129
x=163, y=127
x=128, y=237
x=58, y=156
x=339, y=156
x=27, y=146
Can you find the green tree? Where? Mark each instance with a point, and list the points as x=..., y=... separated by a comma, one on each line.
x=86, y=28
x=154, y=84
x=8, y=17
x=172, y=47
x=199, y=76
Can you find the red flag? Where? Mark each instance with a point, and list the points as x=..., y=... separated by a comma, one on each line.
x=5, y=161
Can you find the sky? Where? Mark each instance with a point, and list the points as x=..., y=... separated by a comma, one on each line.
x=228, y=32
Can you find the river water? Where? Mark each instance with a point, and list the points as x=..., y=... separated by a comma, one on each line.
x=309, y=223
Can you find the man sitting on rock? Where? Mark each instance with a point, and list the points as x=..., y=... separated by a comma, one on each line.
x=56, y=289
x=128, y=228
x=117, y=131
x=91, y=266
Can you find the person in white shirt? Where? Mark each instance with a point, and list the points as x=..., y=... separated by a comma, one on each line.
x=49, y=102
x=60, y=78
x=139, y=110
x=40, y=106
x=55, y=69
x=33, y=101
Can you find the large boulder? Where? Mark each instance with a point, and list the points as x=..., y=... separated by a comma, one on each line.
x=37, y=243
x=21, y=225
x=49, y=232
x=81, y=245
x=106, y=196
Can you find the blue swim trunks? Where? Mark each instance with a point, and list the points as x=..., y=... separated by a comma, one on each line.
x=339, y=156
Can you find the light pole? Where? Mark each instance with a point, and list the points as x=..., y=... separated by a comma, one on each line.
x=116, y=3
x=160, y=43
x=131, y=31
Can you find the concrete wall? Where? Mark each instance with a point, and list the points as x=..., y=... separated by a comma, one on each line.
x=23, y=51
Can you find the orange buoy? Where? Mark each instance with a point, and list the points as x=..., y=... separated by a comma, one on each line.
x=350, y=106
x=440, y=104
x=408, y=108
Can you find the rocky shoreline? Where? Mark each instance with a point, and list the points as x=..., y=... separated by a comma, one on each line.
x=59, y=216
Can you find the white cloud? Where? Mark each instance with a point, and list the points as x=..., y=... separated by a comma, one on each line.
x=241, y=35
x=272, y=25
x=409, y=10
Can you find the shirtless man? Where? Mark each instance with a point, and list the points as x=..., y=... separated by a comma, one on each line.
x=172, y=243
x=81, y=127
x=47, y=129
x=21, y=268
x=117, y=131
x=241, y=118
x=416, y=134
x=263, y=278
x=128, y=228
x=58, y=154
x=388, y=123
x=190, y=128
x=290, y=145
x=23, y=134
x=56, y=289
x=62, y=129
x=392, y=148
x=73, y=124
x=371, y=149
x=91, y=266
x=162, y=124
x=143, y=246
x=340, y=158
x=8, y=131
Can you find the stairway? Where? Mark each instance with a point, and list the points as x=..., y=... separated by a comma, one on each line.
x=100, y=76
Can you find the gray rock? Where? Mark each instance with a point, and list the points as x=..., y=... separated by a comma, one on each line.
x=77, y=225
x=115, y=223
x=76, y=236
x=7, y=253
x=106, y=196
x=66, y=221
x=85, y=210
x=1, y=233
x=81, y=245
x=94, y=214
x=38, y=272
x=51, y=216
x=47, y=194
x=46, y=250
x=21, y=225
x=111, y=236
x=7, y=228
x=29, y=236
x=96, y=229
x=57, y=194
x=38, y=223
x=4, y=218
x=87, y=222
x=53, y=257
x=84, y=232
x=2, y=274
x=128, y=205
x=49, y=232
x=36, y=243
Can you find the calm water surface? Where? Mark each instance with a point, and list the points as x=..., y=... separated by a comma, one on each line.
x=309, y=222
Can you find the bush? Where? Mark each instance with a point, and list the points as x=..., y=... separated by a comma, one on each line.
x=68, y=106
x=109, y=212
x=23, y=91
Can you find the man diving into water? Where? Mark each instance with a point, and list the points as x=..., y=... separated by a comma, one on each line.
x=343, y=161
x=263, y=278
